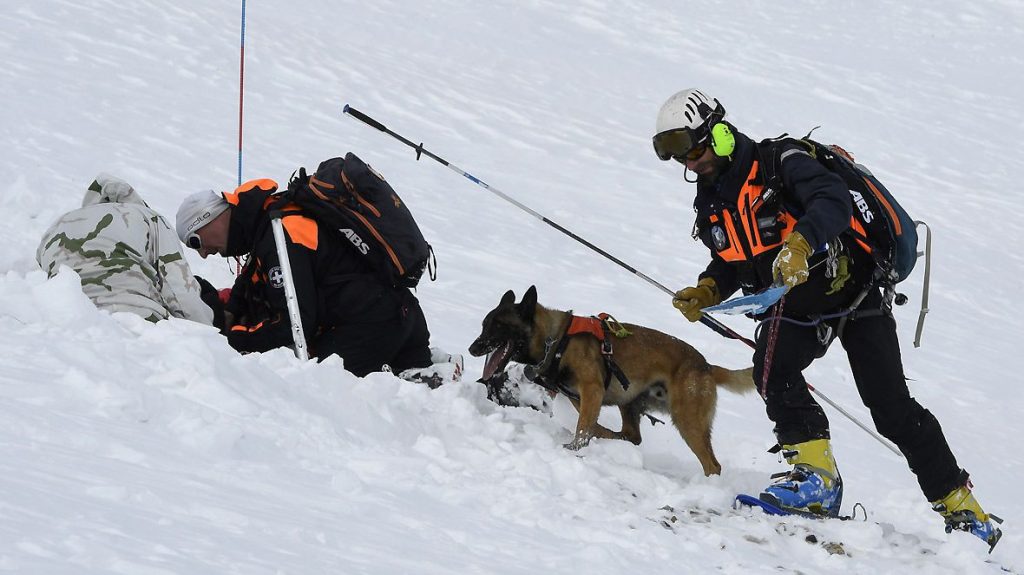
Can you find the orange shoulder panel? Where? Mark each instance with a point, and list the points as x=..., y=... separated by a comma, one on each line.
x=301, y=230
x=265, y=184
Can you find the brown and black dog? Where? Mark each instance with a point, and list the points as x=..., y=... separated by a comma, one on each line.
x=664, y=373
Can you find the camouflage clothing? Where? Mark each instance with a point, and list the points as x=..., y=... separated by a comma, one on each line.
x=129, y=259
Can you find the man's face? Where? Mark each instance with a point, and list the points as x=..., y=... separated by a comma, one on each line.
x=214, y=235
x=704, y=165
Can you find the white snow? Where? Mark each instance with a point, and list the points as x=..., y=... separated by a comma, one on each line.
x=129, y=447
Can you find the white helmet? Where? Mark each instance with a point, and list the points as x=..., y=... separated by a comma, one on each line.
x=687, y=109
x=684, y=122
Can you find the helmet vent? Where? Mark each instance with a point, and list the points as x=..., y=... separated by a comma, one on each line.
x=688, y=109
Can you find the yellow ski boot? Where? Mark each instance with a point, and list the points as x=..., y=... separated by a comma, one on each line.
x=962, y=511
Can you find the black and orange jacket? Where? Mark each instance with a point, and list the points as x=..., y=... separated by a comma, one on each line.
x=332, y=284
x=745, y=231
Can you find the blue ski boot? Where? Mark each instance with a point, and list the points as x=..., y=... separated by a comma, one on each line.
x=962, y=511
x=813, y=486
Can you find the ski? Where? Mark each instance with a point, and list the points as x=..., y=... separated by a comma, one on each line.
x=749, y=501
x=744, y=500
x=674, y=520
x=754, y=303
x=732, y=521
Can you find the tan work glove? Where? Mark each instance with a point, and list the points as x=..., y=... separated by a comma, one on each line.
x=691, y=300
x=790, y=266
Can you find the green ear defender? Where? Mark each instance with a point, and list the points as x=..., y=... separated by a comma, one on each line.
x=723, y=142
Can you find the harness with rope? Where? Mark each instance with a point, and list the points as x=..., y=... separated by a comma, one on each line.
x=602, y=327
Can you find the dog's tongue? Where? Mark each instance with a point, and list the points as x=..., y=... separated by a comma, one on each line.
x=497, y=360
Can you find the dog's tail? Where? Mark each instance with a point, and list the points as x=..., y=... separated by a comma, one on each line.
x=735, y=380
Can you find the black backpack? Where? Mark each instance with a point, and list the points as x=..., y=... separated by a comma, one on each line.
x=352, y=198
x=879, y=223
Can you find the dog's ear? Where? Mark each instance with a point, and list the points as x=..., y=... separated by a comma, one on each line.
x=530, y=297
x=528, y=306
x=508, y=299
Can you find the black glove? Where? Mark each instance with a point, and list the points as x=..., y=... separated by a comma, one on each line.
x=210, y=297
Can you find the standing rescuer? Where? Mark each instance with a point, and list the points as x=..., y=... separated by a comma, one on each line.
x=793, y=238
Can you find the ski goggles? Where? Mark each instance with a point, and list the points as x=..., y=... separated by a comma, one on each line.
x=194, y=241
x=695, y=153
x=680, y=143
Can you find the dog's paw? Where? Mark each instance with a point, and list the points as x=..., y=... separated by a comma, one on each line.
x=577, y=443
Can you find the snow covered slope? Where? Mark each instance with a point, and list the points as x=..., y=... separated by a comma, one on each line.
x=127, y=447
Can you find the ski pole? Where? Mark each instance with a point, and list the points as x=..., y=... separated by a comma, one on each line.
x=420, y=150
x=724, y=330
x=241, y=94
x=708, y=321
x=870, y=431
x=241, y=91
x=733, y=335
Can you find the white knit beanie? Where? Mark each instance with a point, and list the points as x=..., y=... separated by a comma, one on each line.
x=198, y=210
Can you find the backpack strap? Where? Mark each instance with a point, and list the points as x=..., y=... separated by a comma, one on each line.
x=927, y=280
x=792, y=151
x=770, y=162
x=771, y=153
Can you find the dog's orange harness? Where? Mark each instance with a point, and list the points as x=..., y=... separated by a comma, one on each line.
x=600, y=326
x=592, y=325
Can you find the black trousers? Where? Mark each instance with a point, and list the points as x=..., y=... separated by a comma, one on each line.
x=401, y=341
x=873, y=350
